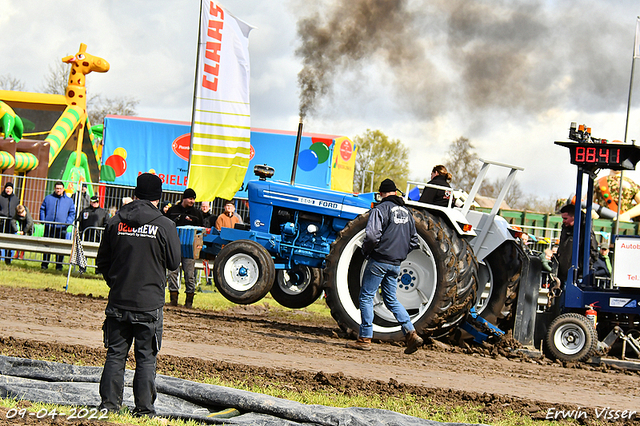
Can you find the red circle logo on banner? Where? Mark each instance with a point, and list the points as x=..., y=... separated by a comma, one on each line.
x=345, y=150
x=181, y=146
x=252, y=152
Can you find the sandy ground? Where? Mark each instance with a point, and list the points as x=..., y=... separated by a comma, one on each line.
x=258, y=343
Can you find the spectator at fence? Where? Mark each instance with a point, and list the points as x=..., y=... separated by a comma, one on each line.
x=8, y=203
x=21, y=224
x=90, y=218
x=84, y=201
x=184, y=214
x=112, y=212
x=602, y=266
x=207, y=215
x=59, y=209
x=228, y=218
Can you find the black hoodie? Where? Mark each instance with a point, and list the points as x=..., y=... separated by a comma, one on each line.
x=138, y=245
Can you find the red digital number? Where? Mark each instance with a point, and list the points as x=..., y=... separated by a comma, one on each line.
x=579, y=154
x=604, y=155
x=591, y=155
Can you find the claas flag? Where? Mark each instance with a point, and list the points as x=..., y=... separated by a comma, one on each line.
x=221, y=129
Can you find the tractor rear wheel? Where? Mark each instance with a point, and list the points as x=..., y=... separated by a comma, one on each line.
x=298, y=287
x=499, y=278
x=437, y=283
x=243, y=271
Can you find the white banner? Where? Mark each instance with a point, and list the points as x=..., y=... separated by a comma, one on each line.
x=220, y=138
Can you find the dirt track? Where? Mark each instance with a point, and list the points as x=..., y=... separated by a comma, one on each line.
x=258, y=344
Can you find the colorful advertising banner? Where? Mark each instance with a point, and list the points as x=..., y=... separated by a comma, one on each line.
x=343, y=164
x=135, y=145
x=220, y=143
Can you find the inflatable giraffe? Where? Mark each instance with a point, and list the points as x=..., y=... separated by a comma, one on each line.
x=82, y=63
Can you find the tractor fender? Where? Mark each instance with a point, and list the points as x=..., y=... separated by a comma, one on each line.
x=453, y=217
x=497, y=234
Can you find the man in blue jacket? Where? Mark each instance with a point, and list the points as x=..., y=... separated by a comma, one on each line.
x=390, y=235
x=57, y=211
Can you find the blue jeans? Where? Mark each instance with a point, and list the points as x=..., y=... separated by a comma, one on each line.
x=120, y=329
x=384, y=275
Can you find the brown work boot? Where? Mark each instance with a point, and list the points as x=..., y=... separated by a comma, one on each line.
x=413, y=342
x=188, y=303
x=173, y=298
x=363, y=344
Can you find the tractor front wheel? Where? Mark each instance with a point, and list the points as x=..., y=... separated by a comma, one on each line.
x=243, y=271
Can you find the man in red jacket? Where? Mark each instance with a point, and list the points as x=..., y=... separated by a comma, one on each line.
x=138, y=245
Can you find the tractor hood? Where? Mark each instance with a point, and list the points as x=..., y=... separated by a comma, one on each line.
x=307, y=198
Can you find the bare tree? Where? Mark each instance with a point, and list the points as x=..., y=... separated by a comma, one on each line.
x=9, y=82
x=386, y=158
x=57, y=79
x=102, y=106
x=462, y=163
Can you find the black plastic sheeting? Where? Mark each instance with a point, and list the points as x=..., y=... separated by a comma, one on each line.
x=71, y=385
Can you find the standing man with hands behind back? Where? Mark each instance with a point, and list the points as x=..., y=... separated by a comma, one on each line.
x=137, y=247
x=390, y=236
x=184, y=214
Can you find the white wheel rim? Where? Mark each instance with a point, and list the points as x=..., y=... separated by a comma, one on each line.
x=419, y=269
x=569, y=339
x=485, y=286
x=241, y=272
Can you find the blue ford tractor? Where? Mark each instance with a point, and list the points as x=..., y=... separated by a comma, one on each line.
x=301, y=241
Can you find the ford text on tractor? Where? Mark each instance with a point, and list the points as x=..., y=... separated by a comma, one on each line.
x=302, y=240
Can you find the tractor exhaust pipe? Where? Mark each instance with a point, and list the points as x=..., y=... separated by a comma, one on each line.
x=296, y=153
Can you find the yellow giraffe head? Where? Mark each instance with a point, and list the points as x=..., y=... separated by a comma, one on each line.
x=82, y=63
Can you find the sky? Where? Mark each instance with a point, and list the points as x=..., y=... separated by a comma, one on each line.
x=508, y=75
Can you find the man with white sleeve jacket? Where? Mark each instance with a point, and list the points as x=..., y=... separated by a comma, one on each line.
x=390, y=236
x=138, y=245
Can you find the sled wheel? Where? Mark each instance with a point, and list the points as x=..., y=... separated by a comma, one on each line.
x=499, y=278
x=437, y=283
x=572, y=337
x=243, y=271
x=298, y=287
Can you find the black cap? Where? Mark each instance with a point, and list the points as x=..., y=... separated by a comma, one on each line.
x=188, y=193
x=148, y=187
x=387, y=185
x=95, y=199
x=8, y=184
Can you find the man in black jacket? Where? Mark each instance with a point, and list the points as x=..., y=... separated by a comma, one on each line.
x=137, y=247
x=184, y=214
x=390, y=236
x=565, y=246
x=92, y=217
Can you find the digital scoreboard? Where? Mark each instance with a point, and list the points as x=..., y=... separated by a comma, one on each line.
x=603, y=156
